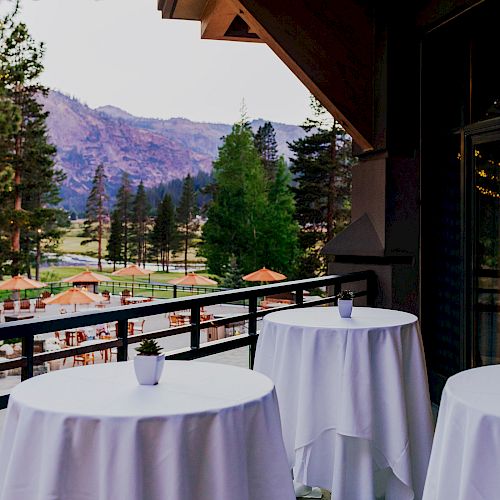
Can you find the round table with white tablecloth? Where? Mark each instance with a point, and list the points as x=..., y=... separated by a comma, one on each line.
x=354, y=399
x=465, y=456
x=205, y=432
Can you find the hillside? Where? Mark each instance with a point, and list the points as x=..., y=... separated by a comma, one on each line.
x=150, y=149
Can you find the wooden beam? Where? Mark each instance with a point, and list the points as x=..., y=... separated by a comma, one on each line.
x=218, y=18
x=329, y=50
x=435, y=12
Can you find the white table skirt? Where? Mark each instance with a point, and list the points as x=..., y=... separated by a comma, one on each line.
x=465, y=459
x=205, y=432
x=353, y=398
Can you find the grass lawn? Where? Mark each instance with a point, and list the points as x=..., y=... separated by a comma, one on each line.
x=71, y=242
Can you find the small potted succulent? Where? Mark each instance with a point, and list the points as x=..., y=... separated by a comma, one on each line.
x=148, y=363
x=344, y=301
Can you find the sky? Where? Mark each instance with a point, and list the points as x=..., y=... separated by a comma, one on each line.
x=122, y=53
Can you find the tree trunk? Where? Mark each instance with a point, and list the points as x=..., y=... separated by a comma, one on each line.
x=330, y=209
x=38, y=258
x=186, y=249
x=99, y=240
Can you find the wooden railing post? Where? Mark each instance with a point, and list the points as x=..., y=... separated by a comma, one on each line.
x=299, y=296
x=195, y=327
x=175, y=291
x=27, y=349
x=252, y=326
x=371, y=289
x=122, y=333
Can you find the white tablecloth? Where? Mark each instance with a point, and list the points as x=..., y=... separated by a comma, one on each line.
x=205, y=432
x=353, y=398
x=465, y=459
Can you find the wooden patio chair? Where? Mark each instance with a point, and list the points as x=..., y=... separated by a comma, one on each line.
x=45, y=295
x=139, y=326
x=84, y=359
x=8, y=305
x=40, y=305
x=25, y=305
x=106, y=296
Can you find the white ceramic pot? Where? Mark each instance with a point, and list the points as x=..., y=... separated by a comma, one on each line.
x=345, y=308
x=148, y=368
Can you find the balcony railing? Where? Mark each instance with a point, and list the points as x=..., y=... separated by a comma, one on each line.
x=364, y=282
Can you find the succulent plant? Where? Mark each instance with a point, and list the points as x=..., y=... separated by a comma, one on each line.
x=148, y=348
x=345, y=295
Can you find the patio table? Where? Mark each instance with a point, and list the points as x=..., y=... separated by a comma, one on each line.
x=353, y=399
x=205, y=432
x=466, y=449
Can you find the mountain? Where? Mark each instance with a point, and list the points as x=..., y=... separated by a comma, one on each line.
x=152, y=150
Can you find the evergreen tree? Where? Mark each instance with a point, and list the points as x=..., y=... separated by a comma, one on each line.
x=124, y=208
x=280, y=227
x=140, y=218
x=265, y=142
x=237, y=213
x=186, y=212
x=321, y=167
x=96, y=213
x=165, y=236
x=233, y=276
x=26, y=156
x=115, y=241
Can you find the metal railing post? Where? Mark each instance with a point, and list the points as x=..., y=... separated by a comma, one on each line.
x=299, y=296
x=175, y=291
x=27, y=349
x=195, y=327
x=122, y=333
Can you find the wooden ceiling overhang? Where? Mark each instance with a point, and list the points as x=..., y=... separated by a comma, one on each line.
x=330, y=49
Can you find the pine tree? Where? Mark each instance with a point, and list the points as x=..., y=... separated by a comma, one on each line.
x=265, y=142
x=26, y=155
x=236, y=215
x=140, y=218
x=124, y=208
x=165, y=236
x=186, y=212
x=115, y=241
x=233, y=276
x=281, y=230
x=96, y=213
x=321, y=167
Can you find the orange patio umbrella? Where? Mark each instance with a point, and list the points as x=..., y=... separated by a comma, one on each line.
x=87, y=278
x=132, y=270
x=20, y=283
x=264, y=275
x=74, y=296
x=192, y=279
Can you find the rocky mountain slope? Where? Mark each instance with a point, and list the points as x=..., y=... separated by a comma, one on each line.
x=153, y=150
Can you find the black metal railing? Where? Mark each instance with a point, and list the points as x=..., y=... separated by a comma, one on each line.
x=365, y=284
x=115, y=287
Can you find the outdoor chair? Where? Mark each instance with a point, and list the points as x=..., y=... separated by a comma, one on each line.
x=8, y=305
x=106, y=295
x=40, y=305
x=84, y=359
x=25, y=305
x=45, y=295
x=138, y=327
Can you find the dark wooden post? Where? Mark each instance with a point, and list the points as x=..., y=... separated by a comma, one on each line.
x=27, y=347
x=122, y=333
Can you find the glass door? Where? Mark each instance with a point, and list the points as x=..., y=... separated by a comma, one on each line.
x=485, y=247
